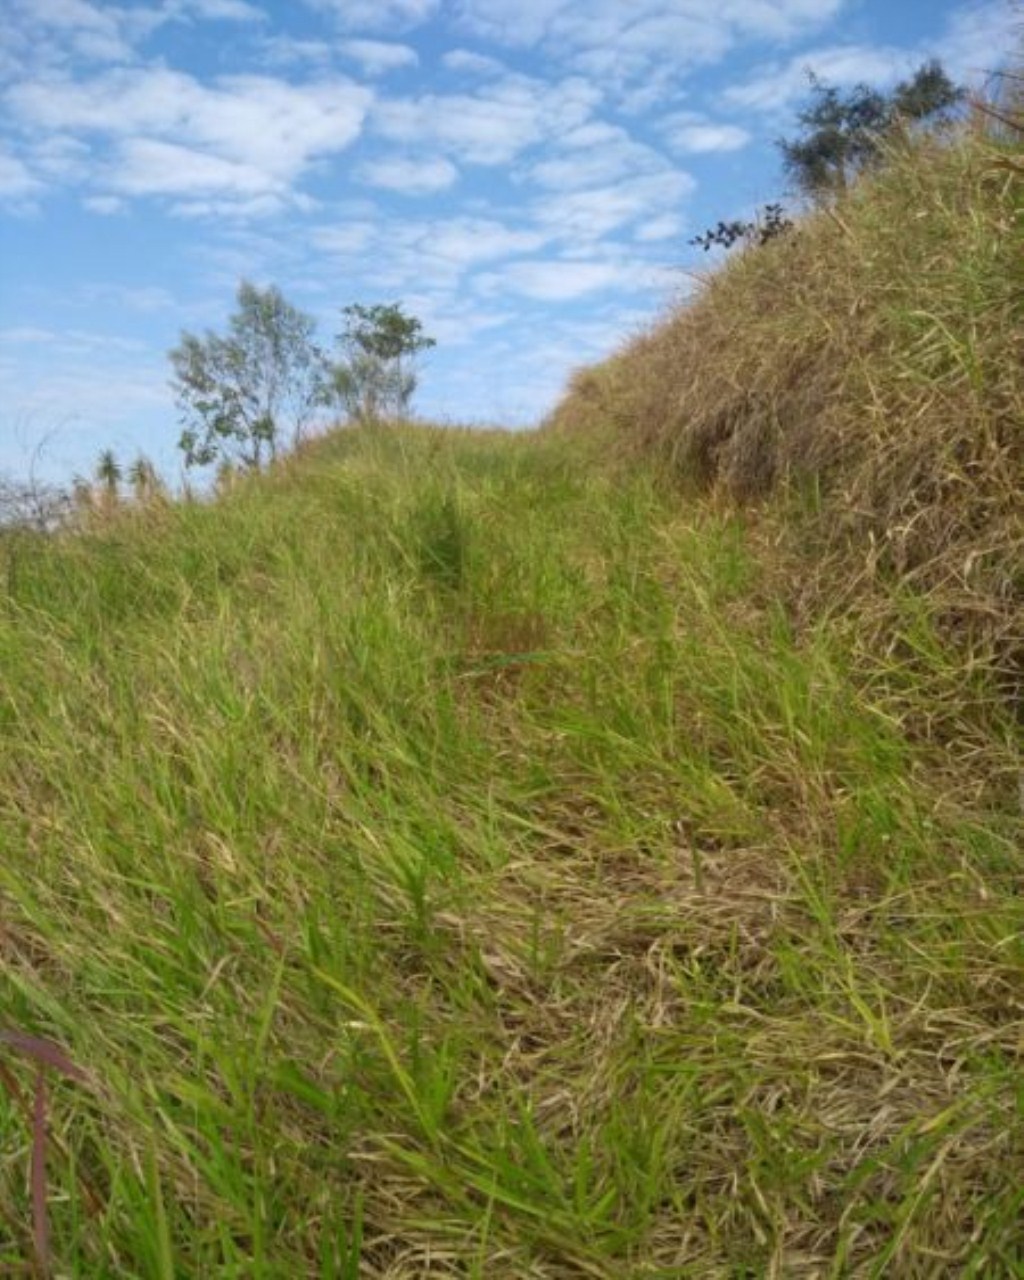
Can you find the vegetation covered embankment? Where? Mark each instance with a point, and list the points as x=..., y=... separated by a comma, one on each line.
x=862, y=375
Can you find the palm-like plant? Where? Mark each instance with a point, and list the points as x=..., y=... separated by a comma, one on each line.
x=108, y=471
x=143, y=478
x=108, y=477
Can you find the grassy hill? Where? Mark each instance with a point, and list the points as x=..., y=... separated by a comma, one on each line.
x=862, y=377
x=460, y=854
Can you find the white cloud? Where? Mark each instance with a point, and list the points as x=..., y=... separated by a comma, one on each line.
x=409, y=176
x=978, y=39
x=377, y=15
x=490, y=127
x=593, y=155
x=52, y=33
x=348, y=238
x=553, y=280
x=223, y=10
x=146, y=167
x=241, y=135
x=587, y=216
x=93, y=32
x=527, y=22
x=623, y=43
x=511, y=22
x=434, y=257
x=777, y=87
x=692, y=134
x=456, y=322
x=975, y=40
x=466, y=242
x=104, y=206
x=377, y=57
x=242, y=208
x=570, y=277
x=474, y=64
x=59, y=158
x=665, y=226
x=16, y=180
x=434, y=252
x=287, y=51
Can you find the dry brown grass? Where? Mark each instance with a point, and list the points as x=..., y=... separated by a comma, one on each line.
x=866, y=376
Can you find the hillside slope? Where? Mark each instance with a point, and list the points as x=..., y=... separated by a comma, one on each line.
x=862, y=378
x=447, y=856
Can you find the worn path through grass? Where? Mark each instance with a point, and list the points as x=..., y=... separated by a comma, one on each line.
x=447, y=858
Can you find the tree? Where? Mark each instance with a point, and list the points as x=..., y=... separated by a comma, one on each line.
x=238, y=394
x=143, y=478
x=846, y=131
x=108, y=475
x=376, y=378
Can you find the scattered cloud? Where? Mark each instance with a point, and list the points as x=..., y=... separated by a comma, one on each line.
x=59, y=158
x=776, y=87
x=76, y=398
x=376, y=57
x=971, y=45
x=978, y=38
x=625, y=44
x=287, y=51
x=171, y=134
x=692, y=134
x=593, y=155
x=89, y=31
x=239, y=208
x=377, y=15
x=557, y=280
x=105, y=206
x=348, y=238
x=146, y=167
x=467, y=242
x=409, y=176
x=16, y=180
x=664, y=226
x=458, y=322
x=474, y=64
x=436, y=253
x=529, y=22
x=492, y=126
x=588, y=216
x=221, y=10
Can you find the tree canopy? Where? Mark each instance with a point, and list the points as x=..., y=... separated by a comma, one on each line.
x=844, y=131
x=376, y=377
x=240, y=393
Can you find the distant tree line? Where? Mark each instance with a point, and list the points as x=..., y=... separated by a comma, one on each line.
x=246, y=394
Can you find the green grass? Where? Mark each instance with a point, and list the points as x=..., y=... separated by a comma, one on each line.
x=448, y=857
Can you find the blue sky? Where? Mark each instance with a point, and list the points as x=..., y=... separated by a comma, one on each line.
x=522, y=174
